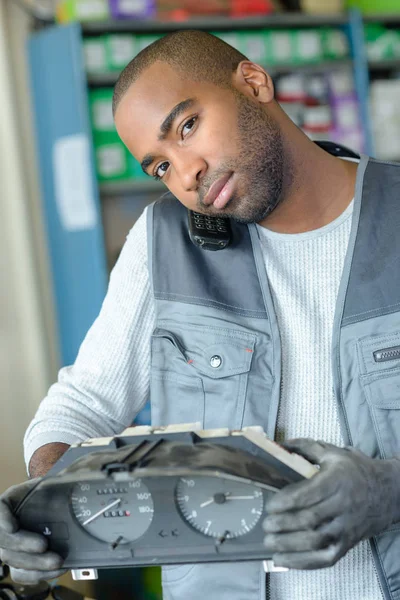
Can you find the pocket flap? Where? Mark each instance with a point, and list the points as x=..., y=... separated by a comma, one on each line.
x=222, y=359
x=383, y=389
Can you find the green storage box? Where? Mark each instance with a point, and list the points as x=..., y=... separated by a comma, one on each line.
x=255, y=45
x=120, y=49
x=307, y=46
x=142, y=41
x=232, y=38
x=282, y=47
x=375, y=6
x=335, y=44
x=113, y=161
x=95, y=53
x=100, y=103
x=381, y=43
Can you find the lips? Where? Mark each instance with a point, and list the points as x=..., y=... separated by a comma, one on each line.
x=216, y=189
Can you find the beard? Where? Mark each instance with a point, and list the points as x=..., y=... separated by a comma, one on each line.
x=259, y=167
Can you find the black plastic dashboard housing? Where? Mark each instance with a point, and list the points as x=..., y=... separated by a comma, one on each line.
x=158, y=460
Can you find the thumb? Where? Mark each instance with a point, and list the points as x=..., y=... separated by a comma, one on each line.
x=8, y=522
x=312, y=450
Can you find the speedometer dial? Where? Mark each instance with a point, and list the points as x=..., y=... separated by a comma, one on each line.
x=113, y=513
x=219, y=508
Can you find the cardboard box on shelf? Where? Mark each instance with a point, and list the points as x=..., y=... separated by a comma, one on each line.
x=324, y=6
x=132, y=9
x=82, y=10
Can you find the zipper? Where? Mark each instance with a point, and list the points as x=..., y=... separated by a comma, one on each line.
x=267, y=588
x=387, y=354
x=379, y=576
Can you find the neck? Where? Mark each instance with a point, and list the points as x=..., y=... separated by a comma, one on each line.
x=317, y=188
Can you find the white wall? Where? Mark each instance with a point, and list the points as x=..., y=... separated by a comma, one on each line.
x=28, y=350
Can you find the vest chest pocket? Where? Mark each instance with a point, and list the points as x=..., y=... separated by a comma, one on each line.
x=200, y=374
x=379, y=359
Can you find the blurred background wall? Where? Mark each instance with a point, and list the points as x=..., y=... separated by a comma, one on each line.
x=28, y=345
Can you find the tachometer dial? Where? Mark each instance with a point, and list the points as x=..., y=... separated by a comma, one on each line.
x=113, y=513
x=219, y=508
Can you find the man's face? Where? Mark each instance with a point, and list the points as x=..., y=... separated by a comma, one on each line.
x=217, y=150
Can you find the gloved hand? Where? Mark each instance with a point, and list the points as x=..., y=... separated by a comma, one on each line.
x=23, y=551
x=313, y=523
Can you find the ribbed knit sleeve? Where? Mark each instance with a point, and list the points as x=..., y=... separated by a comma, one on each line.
x=100, y=394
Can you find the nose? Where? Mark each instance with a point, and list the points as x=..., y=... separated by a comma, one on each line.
x=190, y=169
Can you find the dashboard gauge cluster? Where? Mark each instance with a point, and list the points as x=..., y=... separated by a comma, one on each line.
x=165, y=496
x=220, y=508
x=113, y=513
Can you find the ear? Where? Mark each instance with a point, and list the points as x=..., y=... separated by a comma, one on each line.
x=254, y=81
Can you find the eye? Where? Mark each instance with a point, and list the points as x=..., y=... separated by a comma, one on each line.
x=188, y=126
x=161, y=170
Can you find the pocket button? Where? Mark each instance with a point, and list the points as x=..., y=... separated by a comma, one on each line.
x=215, y=361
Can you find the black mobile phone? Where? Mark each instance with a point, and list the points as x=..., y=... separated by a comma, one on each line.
x=209, y=233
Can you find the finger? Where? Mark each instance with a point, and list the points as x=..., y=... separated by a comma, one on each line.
x=23, y=541
x=312, y=450
x=13, y=496
x=303, y=494
x=49, y=561
x=8, y=522
x=33, y=577
x=298, y=541
x=317, y=559
x=300, y=520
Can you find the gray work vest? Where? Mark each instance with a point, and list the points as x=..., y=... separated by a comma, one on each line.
x=218, y=304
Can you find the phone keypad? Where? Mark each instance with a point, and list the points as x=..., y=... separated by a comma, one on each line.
x=208, y=223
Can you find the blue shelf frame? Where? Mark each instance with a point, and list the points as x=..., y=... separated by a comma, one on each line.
x=76, y=249
x=361, y=75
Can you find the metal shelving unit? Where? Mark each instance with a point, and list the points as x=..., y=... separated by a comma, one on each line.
x=78, y=254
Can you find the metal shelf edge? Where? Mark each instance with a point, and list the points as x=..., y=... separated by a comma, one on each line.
x=117, y=188
x=389, y=63
x=382, y=18
x=213, y=23
x=111, y=78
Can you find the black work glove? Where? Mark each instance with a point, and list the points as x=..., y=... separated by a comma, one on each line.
x=313, y=523
x=24, y=551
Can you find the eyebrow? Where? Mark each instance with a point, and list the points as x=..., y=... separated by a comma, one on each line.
x=166, y=126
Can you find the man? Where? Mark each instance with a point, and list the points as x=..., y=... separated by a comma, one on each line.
x=310, y=280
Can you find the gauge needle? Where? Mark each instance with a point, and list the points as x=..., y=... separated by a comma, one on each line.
x=100, y=512
x=207, y=502
x=240, y=497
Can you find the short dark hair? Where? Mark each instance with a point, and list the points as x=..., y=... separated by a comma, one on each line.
x=199, y=55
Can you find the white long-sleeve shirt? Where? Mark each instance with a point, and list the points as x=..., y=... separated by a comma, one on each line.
x=109, y=382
